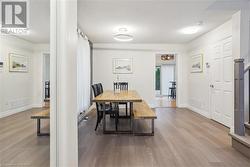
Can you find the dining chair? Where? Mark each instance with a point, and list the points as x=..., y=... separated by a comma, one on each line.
x=172, y=92
x=100, y=88
x=109, y=109
x=122, y=86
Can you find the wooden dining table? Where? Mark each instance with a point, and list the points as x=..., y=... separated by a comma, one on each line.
x=129, y=96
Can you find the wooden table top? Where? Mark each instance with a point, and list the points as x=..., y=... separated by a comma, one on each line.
x=123, y=96
x=42, y=114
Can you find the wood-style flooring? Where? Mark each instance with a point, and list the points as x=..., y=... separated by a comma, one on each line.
x=182, y=139
x=164, y=102
x=19, y=145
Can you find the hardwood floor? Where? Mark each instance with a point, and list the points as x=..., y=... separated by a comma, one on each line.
x=19, y=145
x=182, y=139
x=164, y=102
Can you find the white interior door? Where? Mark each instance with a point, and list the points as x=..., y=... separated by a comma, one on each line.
x=222, y=83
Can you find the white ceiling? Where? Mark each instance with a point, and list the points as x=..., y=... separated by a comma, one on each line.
x=152, y=21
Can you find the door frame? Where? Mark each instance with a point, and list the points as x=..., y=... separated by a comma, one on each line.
x=211, y=80
x=174, y=65
x=177, y=74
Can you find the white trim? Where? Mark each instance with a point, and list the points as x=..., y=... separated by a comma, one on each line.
x=182, y=106
x=199, y=111
x=155, y=47
x=16, y=110
x=63, y=115
x=53, y=77
x=38, y=105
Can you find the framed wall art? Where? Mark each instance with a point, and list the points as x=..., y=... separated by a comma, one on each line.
x=122, y=66
x=197, y=63
x=18, y=63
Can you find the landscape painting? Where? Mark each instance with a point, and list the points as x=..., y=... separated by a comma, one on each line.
x=18, y=63
x=197, y=64
x=122, y=66
x=1, y=66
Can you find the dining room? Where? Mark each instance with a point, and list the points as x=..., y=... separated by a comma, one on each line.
x=124, y=129
x=123, y=126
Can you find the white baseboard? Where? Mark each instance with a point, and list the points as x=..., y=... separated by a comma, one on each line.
x=37, y=105
x=182, y=106
x=199, y=111
x=14, y=111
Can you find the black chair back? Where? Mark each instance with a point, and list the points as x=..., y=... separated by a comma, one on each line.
x=95, y=90
x=100, y=88
x=120, y=86
x=124, y=85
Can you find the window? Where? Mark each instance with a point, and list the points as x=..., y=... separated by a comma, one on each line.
x=158, y=78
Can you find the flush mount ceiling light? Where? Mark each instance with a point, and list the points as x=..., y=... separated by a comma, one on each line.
x=192, y=29
x=123, y=37
x=123, y=30
x=123, y=33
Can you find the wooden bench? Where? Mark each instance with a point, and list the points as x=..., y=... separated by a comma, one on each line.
x=38, y=116
x=143, y=111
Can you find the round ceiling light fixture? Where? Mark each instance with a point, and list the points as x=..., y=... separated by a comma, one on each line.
x=192, y=29
x=122, y=30
x=123, y=37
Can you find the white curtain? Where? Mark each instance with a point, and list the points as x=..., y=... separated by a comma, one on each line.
x=83, y=74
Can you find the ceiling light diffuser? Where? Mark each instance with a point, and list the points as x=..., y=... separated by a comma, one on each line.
x=123, y=37
x=122, y=30
x=190, y=30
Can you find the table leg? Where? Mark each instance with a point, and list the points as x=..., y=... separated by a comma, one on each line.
x=130, y=114
x=104, y=121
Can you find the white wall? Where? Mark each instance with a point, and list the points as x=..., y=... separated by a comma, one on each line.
x=143, y=77
x=17, y=89
x=198, y=83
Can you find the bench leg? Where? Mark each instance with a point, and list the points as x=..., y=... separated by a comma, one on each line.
x=146, y=134
x=39, y=129
x=130, y=114
x=153, y=126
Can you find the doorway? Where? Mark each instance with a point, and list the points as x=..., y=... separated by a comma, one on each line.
x=165, y=80
x=46, y=79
